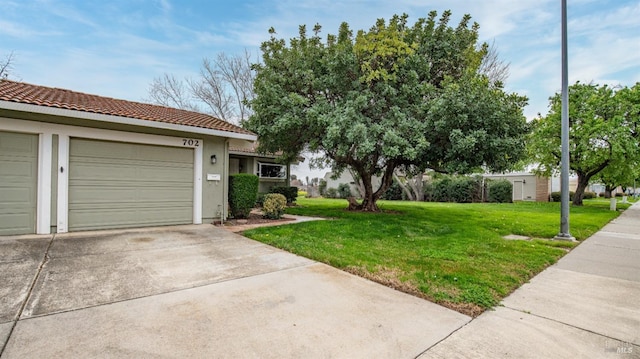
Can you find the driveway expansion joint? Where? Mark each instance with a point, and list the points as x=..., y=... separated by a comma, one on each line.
x=44, y=261
x=567, y=324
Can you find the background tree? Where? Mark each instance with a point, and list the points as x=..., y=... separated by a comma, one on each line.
x=603, y=132
x=492, y=65
x=618, y=174
x=6, y=66
x=411, y=183
x=223, y=89
x=391, y=97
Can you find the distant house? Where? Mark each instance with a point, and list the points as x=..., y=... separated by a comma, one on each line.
x=347, y=178
x=71, y=161
x=526, y=186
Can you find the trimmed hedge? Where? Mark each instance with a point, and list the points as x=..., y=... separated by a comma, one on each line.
x=555, y=196
x=290, y=193
x=500, y=191
x=460, y=189
x=243, y=192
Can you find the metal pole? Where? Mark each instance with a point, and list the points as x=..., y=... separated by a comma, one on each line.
x=564, y=173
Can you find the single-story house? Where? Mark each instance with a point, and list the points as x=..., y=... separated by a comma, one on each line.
x=526, y=186
x=71, y=161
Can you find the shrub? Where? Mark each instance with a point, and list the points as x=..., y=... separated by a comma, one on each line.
x=466, y=189
x=322, y=187
x=461, y=189
x=331, y=193
x=344, y=190
x=302, y=193
x=243, y=192
x=500, y=191
x=555, y=196
x=290, y=193
x=260, y=199
x=618, y=194
x=393, y=193
x=441, y=190
x=589, y=195
x=274, y=205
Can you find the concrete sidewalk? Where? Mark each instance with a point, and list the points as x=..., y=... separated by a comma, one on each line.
x=585, y=306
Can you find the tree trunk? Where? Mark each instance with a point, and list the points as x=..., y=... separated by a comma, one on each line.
x=412, y=187
x=607, y=191
x=405, y=187
x=583, y=182
x=370, y=197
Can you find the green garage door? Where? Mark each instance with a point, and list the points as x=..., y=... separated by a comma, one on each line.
x=119, y=185
x=18, y=176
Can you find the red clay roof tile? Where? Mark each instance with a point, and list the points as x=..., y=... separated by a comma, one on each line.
x=66, y=99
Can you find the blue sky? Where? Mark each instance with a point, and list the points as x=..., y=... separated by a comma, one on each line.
x=116, y=48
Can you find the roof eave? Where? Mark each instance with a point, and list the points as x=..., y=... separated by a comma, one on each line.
x=45, y=110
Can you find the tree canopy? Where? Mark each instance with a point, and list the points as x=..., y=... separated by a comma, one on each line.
x=603, y=135
x=393, y=97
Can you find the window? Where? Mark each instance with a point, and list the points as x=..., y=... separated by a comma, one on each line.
x=270, y=170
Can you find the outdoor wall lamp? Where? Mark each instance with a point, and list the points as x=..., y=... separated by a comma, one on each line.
x=213, y=159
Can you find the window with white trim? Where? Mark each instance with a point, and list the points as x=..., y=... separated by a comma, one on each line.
x=272, y=170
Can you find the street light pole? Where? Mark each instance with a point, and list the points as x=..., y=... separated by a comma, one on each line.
x=564, y=173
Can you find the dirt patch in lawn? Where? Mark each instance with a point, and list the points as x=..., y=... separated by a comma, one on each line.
x=390, y=277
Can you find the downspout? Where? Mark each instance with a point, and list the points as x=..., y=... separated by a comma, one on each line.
x=225, y=182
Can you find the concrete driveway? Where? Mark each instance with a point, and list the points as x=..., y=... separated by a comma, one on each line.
x=198, y=291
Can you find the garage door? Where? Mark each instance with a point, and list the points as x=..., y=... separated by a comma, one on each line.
x=120, y=185
x=18, y=176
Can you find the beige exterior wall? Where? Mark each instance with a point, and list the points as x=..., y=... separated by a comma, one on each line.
x=527, y=186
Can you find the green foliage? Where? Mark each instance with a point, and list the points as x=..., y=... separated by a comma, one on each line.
x=331, y=193
x=344, y=190
x=393, y=193
x=394, y=95
x=243, y=192
x=290, y=193
x=499, y=191
x=460, y=189
x=274, y=205
x=322, y=187
x=556, y=196
x=428, y=247
x=603, y=136
x=260, y=199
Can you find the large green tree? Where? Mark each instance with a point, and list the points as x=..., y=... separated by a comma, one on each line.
x=393, y=97
x=603, y=135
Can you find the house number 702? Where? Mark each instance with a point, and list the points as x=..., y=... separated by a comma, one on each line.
x=190, y=142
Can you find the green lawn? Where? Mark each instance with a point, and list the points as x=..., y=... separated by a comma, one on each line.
x=451, y=254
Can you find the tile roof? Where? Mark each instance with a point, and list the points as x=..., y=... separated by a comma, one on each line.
x=21, y=92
